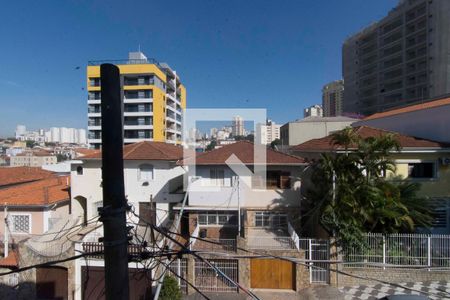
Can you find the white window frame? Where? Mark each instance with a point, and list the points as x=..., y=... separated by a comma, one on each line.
x=419, y=161
x=216, y=215
x=11, y=223
x=267, y=219
x=144, y=179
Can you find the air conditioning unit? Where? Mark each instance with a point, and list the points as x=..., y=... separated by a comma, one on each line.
x=445, y=161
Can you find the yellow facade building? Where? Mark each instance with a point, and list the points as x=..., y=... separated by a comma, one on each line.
x=154, y=101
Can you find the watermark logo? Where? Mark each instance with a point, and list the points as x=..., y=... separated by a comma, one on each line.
x=223, y=172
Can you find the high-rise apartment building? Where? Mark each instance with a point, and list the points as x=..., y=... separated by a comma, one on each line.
x=154, y=100
x=267, y=133
x=313, y=111
x=332, y=96
x=400, y=60
x=238, y=126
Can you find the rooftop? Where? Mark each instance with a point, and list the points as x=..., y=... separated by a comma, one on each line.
x=16, y=175
x=411, y=108
x=37, y=193
x=326, y=143
x=244, y=150
x=325, y=119
x=146, y=151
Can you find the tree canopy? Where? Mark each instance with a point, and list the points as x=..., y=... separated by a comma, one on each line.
x=352, y=195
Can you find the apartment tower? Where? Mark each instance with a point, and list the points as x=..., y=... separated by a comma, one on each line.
x=332, y=95
x=154, y=100
x=400, y=60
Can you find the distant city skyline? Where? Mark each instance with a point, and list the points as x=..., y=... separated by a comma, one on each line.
x=230, y=54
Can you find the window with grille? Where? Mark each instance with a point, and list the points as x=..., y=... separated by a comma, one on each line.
x=21, y=223
x=270, y=219
x=217, y=218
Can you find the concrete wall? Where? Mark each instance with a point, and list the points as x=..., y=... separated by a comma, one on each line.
x=431, y=123
x=228, y=196
x=295, y=133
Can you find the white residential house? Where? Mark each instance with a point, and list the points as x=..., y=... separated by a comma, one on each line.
x=222, y=206
x=152, y=179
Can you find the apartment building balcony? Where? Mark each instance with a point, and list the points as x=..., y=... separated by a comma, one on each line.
x=170, y=85
x=138, y=127
x=214, y=238
x=94, y=101
x=94, y=127
x=138, y=113
x=135, y=140
x=96, y=114
x=94, y=141
x=137, y=100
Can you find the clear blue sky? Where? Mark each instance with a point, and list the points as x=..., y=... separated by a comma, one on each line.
x=233, y=53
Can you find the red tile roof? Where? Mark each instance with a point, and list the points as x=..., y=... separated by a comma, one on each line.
x=11, y=261
x=244, y=150
x=37, y=193
x=85, y=151
x=405, y=141
x=411, y=108
x=146, y=151
x=16, y=175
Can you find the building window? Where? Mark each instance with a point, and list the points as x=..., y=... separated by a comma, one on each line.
x=217, y=177
x=79, y=170
x=145, y=172
x=21, y=223
x=422, y=170
x=270, y=219
x=217, y=218
x=274, y=180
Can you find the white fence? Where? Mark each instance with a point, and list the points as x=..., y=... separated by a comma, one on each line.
x=179, y=266
x=316, y=250
x=294, y=236
x=401, y=250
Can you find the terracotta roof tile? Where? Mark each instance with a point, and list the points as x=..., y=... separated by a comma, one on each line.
x=37, y=193
x=146, y=151
x=16, y=175
x=11, y=261
x=411, y=108
x=405, y=141
x=245, y=152
x=85, y=151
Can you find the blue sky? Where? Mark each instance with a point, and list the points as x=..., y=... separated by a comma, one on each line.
x=253, y=54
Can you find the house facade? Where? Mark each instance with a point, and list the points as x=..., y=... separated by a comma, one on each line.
x=418, y=160
x=232, y=211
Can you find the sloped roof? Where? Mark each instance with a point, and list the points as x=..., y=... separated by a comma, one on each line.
x=16, y=175
x=326, y=143
x=85, y=151
x=37, y=193
x=11, y=261
x=244, y=150
x=146, y=151
x=411, y=108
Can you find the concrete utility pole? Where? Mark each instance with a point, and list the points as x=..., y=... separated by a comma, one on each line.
x=113, y=213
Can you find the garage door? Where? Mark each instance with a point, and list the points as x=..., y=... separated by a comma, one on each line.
x=272, y=274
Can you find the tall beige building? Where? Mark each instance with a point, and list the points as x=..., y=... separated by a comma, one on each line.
x=332, y=96
x=238, y=126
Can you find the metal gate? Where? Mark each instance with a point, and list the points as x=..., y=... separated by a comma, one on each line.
x=207, y=279
x=319, y=272
x=179, y=267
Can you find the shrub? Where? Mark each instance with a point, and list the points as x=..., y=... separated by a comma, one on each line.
x=170, y=289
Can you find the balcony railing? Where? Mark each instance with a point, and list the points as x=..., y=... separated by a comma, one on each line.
x=95, y=247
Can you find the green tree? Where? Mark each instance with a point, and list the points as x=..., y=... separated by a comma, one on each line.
x=275, y=143
x=170, y=289
x=30, y=144
x=211, y=145
x=351, y=194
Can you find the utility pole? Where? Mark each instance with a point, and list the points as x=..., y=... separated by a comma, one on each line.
x=113, y=213
x=5, y=233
